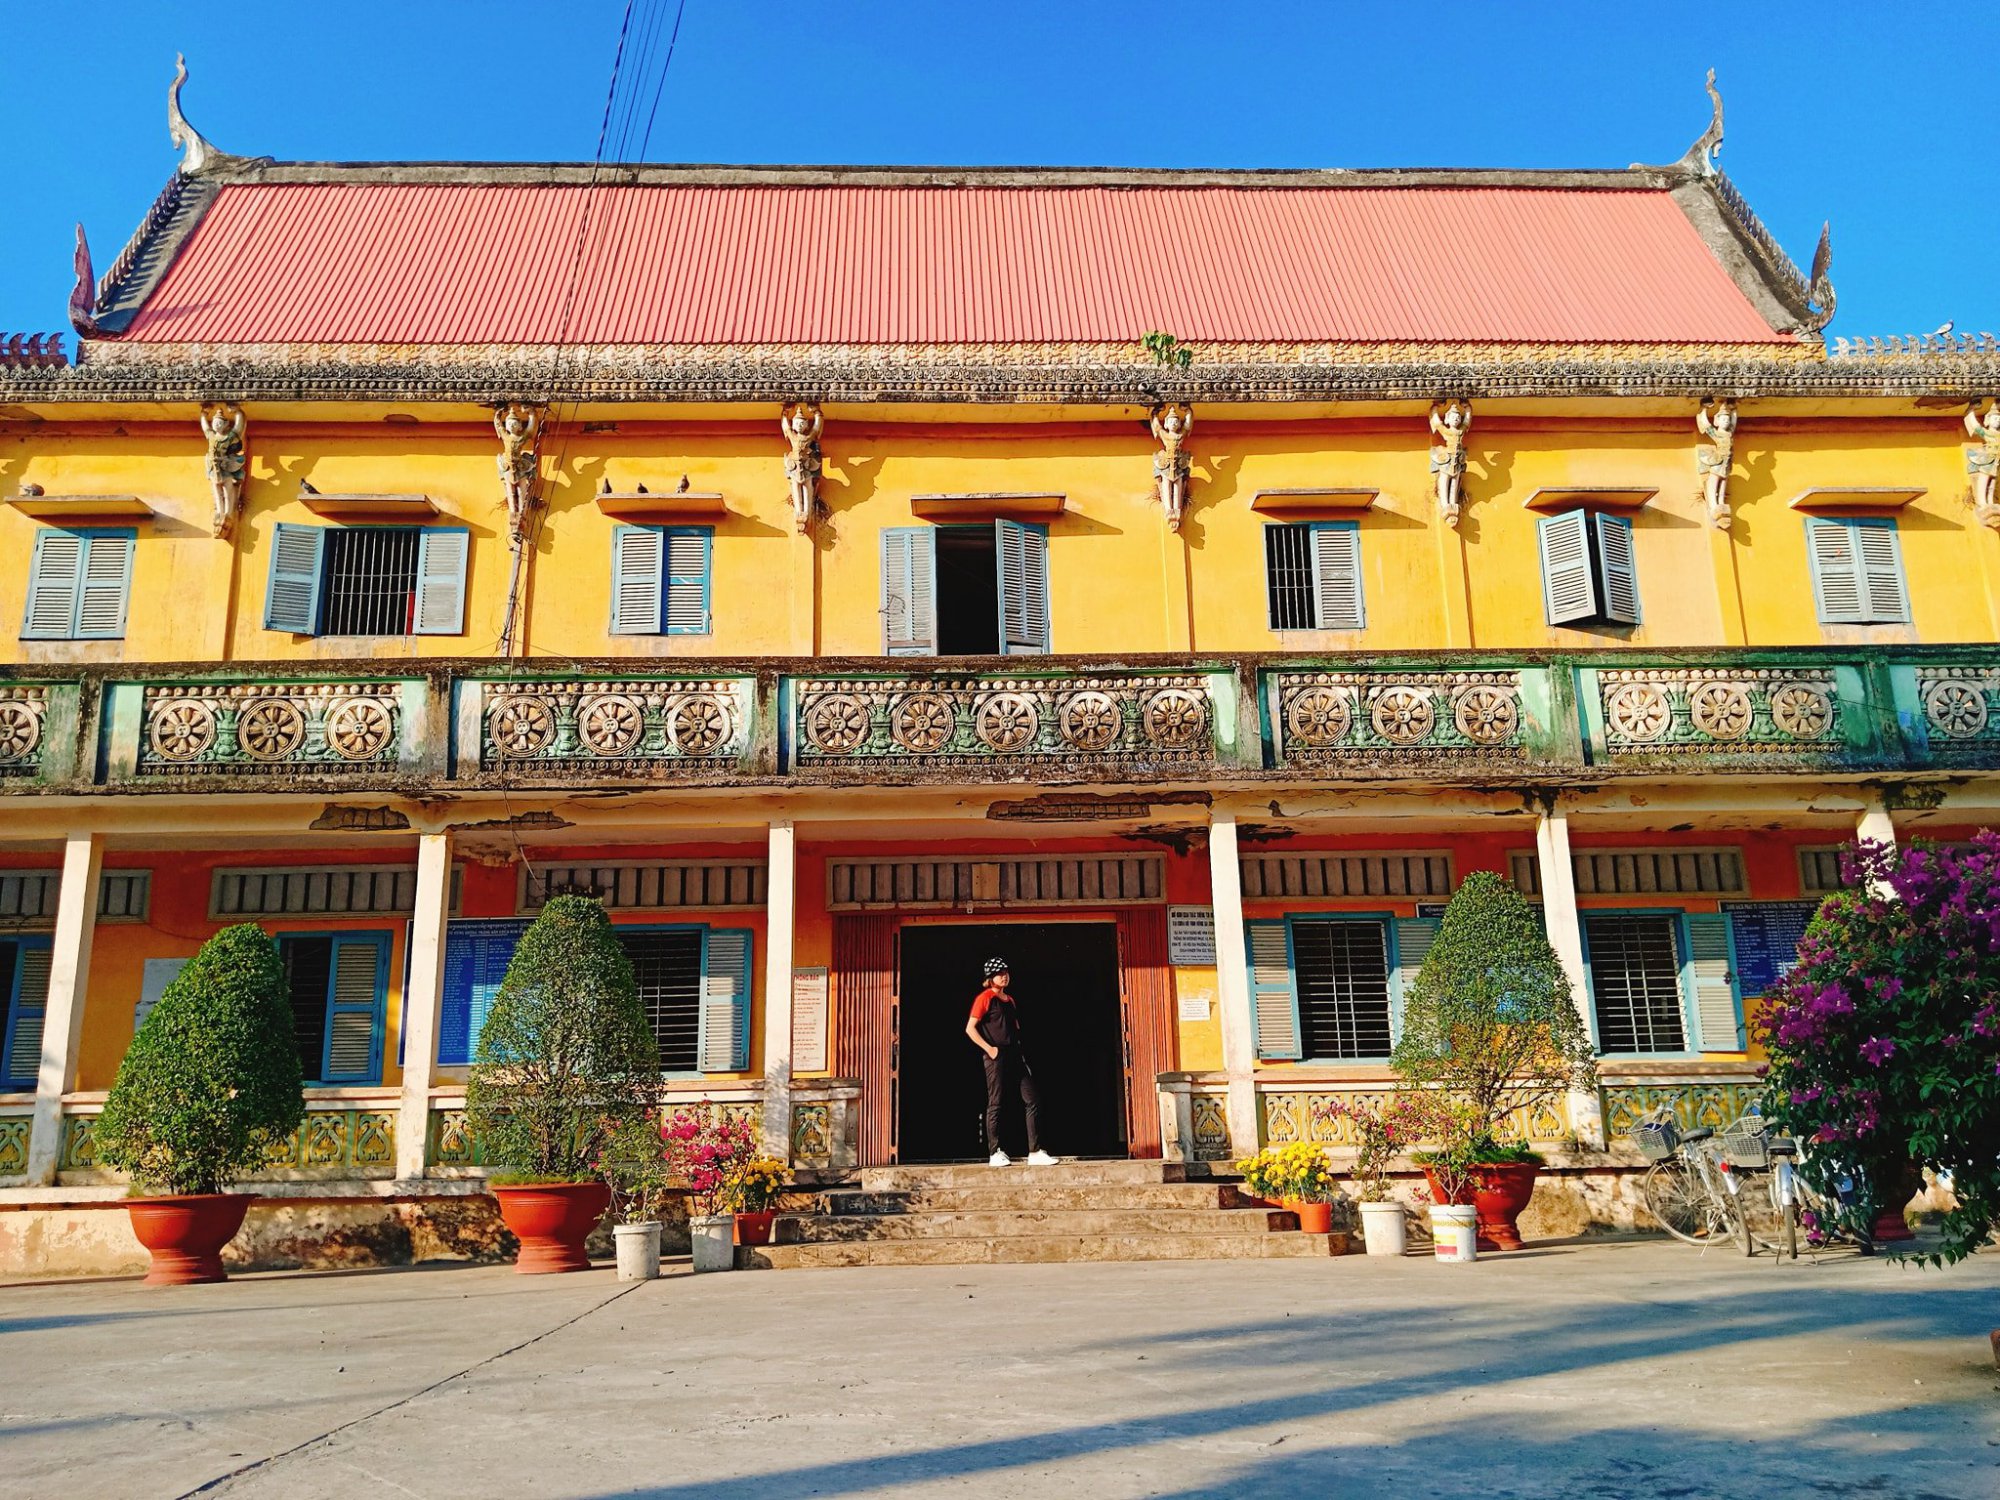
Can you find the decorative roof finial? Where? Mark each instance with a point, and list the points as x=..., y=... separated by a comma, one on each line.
x=199, y=155
x=83, y=296
x=1819, y=289
x=1701, y=155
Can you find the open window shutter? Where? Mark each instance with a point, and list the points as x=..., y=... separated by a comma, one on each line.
x=53, y=582
x=1718, y=1011
x=909, y=591
x=24, y=1024
x=1414, y=936
x=292, y=597
x=1567, y=588
x=1837, y=580
x=638, y=562
x=1879, y=553
x=107, y=577
x=724, y=1045
x=353, y=1011
x=1337, y=577
x=1621, y=575
x=1024, y=587
x=1273, y=998
x=687, y=554
x=441, y=552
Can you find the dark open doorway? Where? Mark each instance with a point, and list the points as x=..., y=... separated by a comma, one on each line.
x=1066, y=983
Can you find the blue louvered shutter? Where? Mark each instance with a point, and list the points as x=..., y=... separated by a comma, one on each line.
x=54, y=580
x=1414, y=936
x=1838, y=587
x=1878, y=555
x=1718, y=1008
x=354, y=1011
x=441, y=558
x=1569, y=593
x=292, y=596
x=724, y=1043
x=1620, y=573
x=1024, y=587
x=909, y=591
x=1274, y=999
x=28, y=998
x=638, y=561
x=105, y=586
x=688, y=556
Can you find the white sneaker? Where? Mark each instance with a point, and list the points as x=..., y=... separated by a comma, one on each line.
x=999, y=1159
x=1040, y=1159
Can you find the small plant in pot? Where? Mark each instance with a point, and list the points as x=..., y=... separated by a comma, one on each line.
x=1449, y=1132
x=707, y=1151
x=1492, y=1022
x=634, y=1168
x=566, y=1066
x=209, y=1085
x=1380, y=1135
x=752, y=1190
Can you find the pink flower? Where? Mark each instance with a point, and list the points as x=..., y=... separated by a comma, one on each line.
x=1877, y=1050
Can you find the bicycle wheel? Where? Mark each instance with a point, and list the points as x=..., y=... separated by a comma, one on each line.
x=1678, y=1202
x=1757, y=1205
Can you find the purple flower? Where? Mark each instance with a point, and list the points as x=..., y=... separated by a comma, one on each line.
x=1877, y=1050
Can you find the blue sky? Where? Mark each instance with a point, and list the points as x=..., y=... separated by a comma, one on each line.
x=1834, y=110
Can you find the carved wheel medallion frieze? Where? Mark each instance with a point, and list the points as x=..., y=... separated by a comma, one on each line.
x=1801, y=711
x=609, y=724
x=837, y=723
x=1089, y=720
x=181, y=730
x=697, y=725
x=1486, y=715
x=358, y=728
x=1006, y=722
x=1362, y=716
x=1402, y=715
x=922, y=722
x=1319, y=716
x=1638, y=711
x=1955, y=708
x=1175, y=718
x=1720, y=710
x=20, y=729
x=270, y=729
x=521, y=724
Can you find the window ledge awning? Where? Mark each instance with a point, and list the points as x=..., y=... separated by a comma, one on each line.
x=60, y=510
x=1597, y=496
x=1856, y=497
x=642, y=504
x=1305, y=504
x=367, y=507
x=989, y=507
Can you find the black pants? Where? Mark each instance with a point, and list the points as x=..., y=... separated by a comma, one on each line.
x=1009, y=1068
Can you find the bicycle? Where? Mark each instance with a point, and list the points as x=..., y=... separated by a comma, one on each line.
x=1686, y=1189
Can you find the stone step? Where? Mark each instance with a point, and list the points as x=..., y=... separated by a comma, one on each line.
x=1022, y=1248
x=1012, y=1195
x=978, y=1174
x=1061, y=1223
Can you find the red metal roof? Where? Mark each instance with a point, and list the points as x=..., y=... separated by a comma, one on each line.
x=427, y=263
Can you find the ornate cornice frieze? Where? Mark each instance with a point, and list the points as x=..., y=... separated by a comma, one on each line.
x=1757, y=712
x=1405, y=719
x=626, y=727
x=271, y=730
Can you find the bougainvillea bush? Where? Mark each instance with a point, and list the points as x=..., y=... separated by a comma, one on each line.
x=1884, y=1039
x=709, y=1151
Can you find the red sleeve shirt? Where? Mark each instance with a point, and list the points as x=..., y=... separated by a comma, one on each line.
x=985, y=999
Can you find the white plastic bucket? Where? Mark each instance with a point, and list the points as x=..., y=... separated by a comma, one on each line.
x=714, y=1240
x=1455, y=1231
x=1382, y=1230
x=638, y=1250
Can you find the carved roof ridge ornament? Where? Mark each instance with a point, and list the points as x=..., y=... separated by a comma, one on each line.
x=83, y=296
x=1699, y=159
x=198, y=156
x=1171, y=422
x=1819, y=289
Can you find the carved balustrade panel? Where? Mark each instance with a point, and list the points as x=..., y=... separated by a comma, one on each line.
x=271, y=729
x=1961, y=709
x=1724, y=713
x=634, y=725
x=329, y=1143
x=1149, y=720
x=1702, y=1104
x=1301, y=1115
x=1395, y=719
x=14, y=1132
x=24, y=721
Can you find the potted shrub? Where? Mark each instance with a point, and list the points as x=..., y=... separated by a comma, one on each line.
x=1380, y=1135
x=1260, y=1177
x=210, y=1083
x=565, y=1066
x=707, y=1151
x=634, y=1168
x=752, y=1190
x=1306, y=1186
x=1491, y=1021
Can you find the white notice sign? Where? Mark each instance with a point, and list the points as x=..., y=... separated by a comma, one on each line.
x=1191, y=935
x=1195, y=1007
x=809, y=1020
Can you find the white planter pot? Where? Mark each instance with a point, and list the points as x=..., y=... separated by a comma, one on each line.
x=714, y=1241
x=1382, y=1229
x=638, y=1250
x=1455, y=1232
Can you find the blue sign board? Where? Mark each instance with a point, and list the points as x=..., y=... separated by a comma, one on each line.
x=1766, y=937
x=476, y=954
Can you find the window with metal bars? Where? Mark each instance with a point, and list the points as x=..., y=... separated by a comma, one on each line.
x=1342, y=971
x=666, y=964
x=371, y=581
x=336, y=988
x=1312, y=573
x=1635, y=982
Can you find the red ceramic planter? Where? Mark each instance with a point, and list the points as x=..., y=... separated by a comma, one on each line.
x=755, y=1229
x=185, y=1234
x=552, y=1220
x=1501, y=1192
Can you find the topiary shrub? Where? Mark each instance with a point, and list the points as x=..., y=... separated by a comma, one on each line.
x=566, y=1062
x=1491, y=1018
x=212, y=1079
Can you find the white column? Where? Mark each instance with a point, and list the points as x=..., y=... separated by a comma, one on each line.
x=1875, y=825
x=421, y=1002
x=1559, y=915
x=780, y=907
x=1232, y=981
x=69, y=983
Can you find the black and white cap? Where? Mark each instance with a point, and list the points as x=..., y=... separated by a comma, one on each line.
x=996, y=966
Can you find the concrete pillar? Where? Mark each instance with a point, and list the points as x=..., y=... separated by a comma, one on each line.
x=780, y=913
x=1875, y=825
x=421, y=1001
x=69, y=983
x=1565, y=929
x=1232, y=981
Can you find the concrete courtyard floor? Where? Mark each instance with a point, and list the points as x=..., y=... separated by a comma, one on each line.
x=1630, y=1368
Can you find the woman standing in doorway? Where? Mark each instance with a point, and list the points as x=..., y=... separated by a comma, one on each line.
x=995, y=1029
